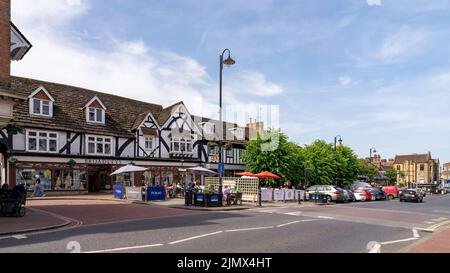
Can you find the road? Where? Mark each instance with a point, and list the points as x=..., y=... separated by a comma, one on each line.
x=382, y=226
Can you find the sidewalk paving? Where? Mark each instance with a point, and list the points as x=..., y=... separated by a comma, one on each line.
x=436, y=243
x=34, y=220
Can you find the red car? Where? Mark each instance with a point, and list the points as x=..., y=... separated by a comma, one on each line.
x=366, y=193
x=391, y=192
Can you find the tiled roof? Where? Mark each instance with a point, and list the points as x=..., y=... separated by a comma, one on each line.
x=419, y=158
x=165, y=114
x=121, y=113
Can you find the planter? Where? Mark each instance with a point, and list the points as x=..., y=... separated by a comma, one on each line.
x=13, y=129
x=207, y=200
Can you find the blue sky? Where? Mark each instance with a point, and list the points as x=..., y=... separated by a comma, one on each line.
x=375, y=72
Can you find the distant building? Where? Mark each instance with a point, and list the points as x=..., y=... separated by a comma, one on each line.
x=419, y=169
x=381, y=164
x=446, y=172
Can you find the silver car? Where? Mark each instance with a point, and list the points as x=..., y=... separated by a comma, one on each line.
x=332, y=193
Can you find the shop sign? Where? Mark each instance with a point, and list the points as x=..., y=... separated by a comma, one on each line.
x=133, y=193
x=103, y=161
x=156, y=193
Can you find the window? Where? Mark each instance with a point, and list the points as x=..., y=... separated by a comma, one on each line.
x=181, y=145
x=41, y=141
x=422, y=167
x=398, y=167
x=209, y=128
x=239, y=133
x=99, y=145
x=213, y=149
x=230, y=152
x=41, y=107
x=95, y=115
x=148, y=143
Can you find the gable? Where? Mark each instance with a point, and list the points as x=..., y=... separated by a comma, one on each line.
x=95, y=104
x=41, y=95
x=180, y=118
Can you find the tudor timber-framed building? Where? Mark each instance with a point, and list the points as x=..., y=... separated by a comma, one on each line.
x=73, y=138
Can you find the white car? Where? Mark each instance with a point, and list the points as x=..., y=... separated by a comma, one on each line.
x=359, y=196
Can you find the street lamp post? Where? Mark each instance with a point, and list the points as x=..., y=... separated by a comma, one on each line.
x=336, y=140
x=370, y=156
x=229, y=61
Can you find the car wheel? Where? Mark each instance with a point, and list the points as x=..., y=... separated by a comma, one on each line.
x=328, y=199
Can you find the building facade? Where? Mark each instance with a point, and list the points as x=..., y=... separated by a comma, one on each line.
x=73, y=138
x=419, y=169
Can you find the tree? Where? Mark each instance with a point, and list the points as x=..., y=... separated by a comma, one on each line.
x=392, y=174
x=347, y=166
x=320, y=157
x=367, y=169
x=272, y=151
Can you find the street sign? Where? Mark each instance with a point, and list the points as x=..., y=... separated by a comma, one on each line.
x=221, y=168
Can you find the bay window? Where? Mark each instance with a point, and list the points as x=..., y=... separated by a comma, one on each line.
x=42, y=141
x=99, y=145
x=181, y=145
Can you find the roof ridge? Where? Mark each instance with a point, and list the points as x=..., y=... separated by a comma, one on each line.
x=85, y=89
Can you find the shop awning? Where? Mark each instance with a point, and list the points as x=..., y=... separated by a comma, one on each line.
x=130, y=168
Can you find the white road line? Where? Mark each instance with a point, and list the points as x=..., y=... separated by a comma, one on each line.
x=19, y=237
x=326, y=217
x=195, y=237
x=416, y=233
x=433, y=227
x=247, y=229
x=287, y=224
x=429, y=222
x=123, y=248
x=294, y=213
x=442, y=211
x=268, y=211
x=398, y=241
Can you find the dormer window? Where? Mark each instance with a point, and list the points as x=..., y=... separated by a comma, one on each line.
x=95, y=111
x=208, y=128
x=238, y=132
x=41, y=103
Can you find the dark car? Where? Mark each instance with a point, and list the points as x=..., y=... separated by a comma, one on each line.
x=411, y=195
x=378, y=193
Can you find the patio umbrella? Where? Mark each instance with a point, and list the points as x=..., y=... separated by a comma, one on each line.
x=130, y=168
x=267, y=175
x=202, y=171
x=245, y=174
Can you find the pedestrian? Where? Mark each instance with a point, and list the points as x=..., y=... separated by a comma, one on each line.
x=38, y=188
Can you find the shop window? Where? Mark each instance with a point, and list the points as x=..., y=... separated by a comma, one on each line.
x=64, y=179
x=41, y=141
x=99, y=145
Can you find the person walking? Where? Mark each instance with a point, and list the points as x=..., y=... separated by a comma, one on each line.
x=38, y=189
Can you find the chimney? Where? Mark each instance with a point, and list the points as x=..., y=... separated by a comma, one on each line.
x=5, y=43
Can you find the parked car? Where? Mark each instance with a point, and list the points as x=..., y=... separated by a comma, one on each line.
x=368, y=195
x=348, y=195
x=391, y=191
x=360, y=184
x=359, y=195
x=424, y=193
x=332, y=193
x=411, y=195
x=378, y=193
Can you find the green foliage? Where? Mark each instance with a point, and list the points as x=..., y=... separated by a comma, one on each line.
x=392, y=174
x=367, y=169
x=272, y=151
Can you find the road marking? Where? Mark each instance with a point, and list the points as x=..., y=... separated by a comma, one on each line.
x=433, y=227
x=374, y=247
x=19, y=237
x=442, y=211
x=398, y=241
x=429, y=222
x=246, y=229
x=268, y=211
x=195, y=237
x=123, y=248
x=294, y=213
x=416, y=233
x=326, y=217
x=287, y=224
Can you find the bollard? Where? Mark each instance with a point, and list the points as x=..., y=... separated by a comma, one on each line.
x=259, y=197
x=299, y=201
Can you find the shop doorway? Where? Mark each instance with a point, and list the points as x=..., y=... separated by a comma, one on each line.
x=94, y=183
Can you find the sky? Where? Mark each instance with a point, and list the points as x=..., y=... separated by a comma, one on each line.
x=375, y=72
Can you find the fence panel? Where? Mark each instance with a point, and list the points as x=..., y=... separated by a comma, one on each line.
x=248, y=186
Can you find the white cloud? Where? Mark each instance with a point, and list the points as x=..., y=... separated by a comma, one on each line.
x=345, y=80
x=403, y=43
x=129, y=68
x=373, y=2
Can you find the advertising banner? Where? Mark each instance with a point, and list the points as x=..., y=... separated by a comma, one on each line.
x=302, y=194
x=266, y=194
x=289, y=194
x=156, y=194
x=278, y=195
x=118, y=191
x=133, y=193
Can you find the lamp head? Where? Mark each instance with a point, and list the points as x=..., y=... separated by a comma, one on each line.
x=229, y=61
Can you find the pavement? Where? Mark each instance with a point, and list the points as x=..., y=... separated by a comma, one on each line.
x=34, y=220
x=437, y=243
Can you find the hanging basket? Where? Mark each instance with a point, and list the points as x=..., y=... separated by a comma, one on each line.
x=71, y=163
x=13, y=129
x=12, y=160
